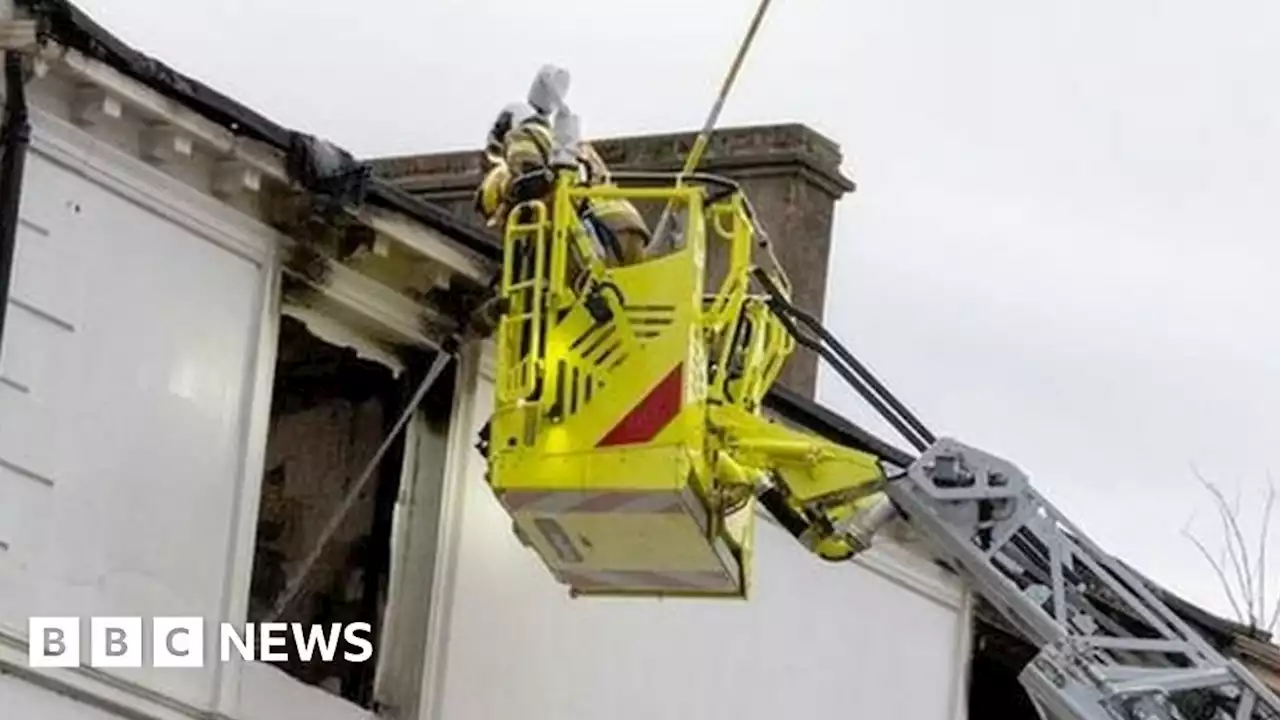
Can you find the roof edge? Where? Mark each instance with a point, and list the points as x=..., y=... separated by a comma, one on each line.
x=62, y=21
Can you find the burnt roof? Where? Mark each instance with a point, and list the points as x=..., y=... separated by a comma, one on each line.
x=68, y=25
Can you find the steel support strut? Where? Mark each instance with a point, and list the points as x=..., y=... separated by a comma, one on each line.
x=1110, y=649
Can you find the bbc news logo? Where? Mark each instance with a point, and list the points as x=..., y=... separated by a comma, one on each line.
x=179, y=642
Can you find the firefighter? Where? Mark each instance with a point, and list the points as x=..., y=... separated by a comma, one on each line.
x=526, y=144
x=523, y=152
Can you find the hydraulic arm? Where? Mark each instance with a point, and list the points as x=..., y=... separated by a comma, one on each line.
x=629, y=445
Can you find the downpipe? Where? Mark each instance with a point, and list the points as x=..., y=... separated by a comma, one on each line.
x=15, y=137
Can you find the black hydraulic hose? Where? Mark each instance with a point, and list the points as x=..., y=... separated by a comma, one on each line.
x=907, y=416
x=850, y=369
x=877, y=400
x=15, y=136
x=852, y=380
x=919, y=434
x=780, y=303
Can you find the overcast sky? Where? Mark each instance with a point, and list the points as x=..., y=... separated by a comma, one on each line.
x=1064, y=243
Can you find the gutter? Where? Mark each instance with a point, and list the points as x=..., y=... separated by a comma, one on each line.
x=63, y=21
x=15, y=137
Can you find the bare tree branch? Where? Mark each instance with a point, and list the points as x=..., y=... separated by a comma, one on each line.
x=1236, y=549
x=1275, y=612
x=1217, y=568
x=1261, y=573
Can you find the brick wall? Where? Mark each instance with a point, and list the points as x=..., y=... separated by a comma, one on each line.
x=790, y=173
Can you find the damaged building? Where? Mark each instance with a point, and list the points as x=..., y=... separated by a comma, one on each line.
x=213, y=325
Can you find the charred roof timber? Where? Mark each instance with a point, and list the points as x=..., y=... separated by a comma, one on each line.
x=362, y=231
x=68, y=25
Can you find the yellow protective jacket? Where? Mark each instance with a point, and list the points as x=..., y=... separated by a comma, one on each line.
x=519, y=154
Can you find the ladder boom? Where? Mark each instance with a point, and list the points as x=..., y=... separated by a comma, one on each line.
x=1110, y=648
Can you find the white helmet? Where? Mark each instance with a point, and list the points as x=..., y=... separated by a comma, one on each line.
x=549, y=89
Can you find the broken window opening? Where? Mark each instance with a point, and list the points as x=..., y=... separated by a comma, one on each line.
x=997, y=659
x=330, y=411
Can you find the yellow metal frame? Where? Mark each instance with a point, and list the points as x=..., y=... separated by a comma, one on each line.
x=627, y=440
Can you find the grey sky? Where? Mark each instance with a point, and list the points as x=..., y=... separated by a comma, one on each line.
x=1064, y=242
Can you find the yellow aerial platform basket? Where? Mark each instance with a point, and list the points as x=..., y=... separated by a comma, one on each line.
x=628, y=398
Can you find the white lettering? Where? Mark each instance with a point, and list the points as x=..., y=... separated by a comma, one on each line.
x=271, y=637
x=180, y=642
x=353, y=639
x=230, y=637
x=306, y=646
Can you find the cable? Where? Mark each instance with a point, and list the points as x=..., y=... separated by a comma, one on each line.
x=295, y=585
x=851, y=379
x=850, y=369
x=704, y=136
x=924, y=437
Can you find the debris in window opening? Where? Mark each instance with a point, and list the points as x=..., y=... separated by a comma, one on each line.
x=330, y=411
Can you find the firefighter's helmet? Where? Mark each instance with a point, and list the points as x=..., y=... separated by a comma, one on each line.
x=549, y=88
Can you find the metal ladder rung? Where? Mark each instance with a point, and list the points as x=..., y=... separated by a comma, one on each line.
x=525, y=285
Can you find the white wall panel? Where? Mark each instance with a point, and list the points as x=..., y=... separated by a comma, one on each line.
x=267, y=693
x=32, y=702
x=133, y=403
x=816, y=639
x=127, y=361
